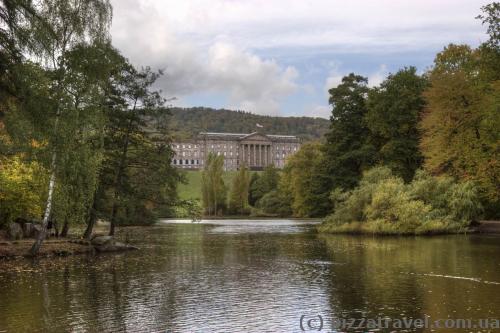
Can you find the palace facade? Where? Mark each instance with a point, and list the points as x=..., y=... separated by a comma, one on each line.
x=255, y=150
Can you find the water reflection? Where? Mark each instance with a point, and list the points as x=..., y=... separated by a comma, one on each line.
x=251, y=276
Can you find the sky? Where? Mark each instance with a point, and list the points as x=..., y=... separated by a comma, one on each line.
x=280, y=57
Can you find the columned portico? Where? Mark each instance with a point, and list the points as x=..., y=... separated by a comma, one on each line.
x=256, y=155
x=254, y=150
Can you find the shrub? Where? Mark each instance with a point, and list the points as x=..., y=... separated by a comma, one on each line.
x=275, y=203
x=384, y=204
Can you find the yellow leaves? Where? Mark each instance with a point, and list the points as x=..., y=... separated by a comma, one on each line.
x=460, y=127
x=38, y=144
x=20, y=194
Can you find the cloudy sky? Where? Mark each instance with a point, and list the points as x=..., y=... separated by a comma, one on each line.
x=279, y=57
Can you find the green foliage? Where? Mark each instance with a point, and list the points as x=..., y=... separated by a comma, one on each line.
x=188, y=122
x=305, y=182
x=137, y=181
x=264, y=183
x=394, y=109
x=491, y=18
x=276, y=203
x=21, y=186
x=238, y=198
x=348, y=149
x=384, y=204
x=460, y=135
x=213, y=189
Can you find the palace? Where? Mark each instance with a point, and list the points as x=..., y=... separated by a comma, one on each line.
x=255, y=150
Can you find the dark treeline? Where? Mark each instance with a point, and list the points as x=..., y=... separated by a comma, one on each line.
x=83, y=135
x=186, y=123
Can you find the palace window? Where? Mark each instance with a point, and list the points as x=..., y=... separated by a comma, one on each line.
x=186, y=162
x=175, y=161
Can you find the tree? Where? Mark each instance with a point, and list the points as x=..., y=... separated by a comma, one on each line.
x=394, y=110
x=304, y=181
x=348, y=149
x=263, y=184
x=137, y=178
x=212, y=185
x=71, y=23
x=460, y=125
x=491, y=18
x=238, y=198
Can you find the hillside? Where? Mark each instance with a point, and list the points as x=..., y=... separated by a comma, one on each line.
x=186, y=123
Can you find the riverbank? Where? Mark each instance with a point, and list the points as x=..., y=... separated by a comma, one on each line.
x=50, y=248
x=67, y=246
x=368, y=228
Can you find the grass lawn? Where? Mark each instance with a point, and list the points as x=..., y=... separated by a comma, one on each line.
x=192, y=190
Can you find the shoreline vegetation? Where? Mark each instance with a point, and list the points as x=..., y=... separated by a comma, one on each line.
x=384, y=204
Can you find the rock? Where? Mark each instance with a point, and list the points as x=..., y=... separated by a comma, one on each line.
x=14, y=231
x=113, y=246
x=101, y=240
x=28, y=230
x=37, y=229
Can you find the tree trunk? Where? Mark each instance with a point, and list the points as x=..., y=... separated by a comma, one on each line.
x=91, y=220
x=52, y=183
x=113, y=219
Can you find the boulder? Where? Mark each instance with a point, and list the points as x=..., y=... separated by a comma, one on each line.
x=113, y=246
x=14, y=231
x=101, y=240
x=109, y=244
x=28, y=230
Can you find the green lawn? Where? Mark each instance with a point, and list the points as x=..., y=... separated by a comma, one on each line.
x=192, y=190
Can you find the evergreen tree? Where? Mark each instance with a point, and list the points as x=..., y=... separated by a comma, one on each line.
x=348, y=149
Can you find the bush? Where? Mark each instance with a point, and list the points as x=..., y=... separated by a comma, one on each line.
x=384, y=204
x=274, y=203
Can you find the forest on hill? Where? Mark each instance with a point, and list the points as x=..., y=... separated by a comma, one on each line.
x=186, y=123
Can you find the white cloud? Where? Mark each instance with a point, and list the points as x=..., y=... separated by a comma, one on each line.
x=249, y=82
x=211, y=46
x=347, y=25
x=376, y=78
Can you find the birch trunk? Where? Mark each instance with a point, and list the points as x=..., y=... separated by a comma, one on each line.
x=43, y=233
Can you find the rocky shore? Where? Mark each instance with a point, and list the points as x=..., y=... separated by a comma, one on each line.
x=62, y=247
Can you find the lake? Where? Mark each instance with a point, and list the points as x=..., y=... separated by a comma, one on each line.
x=256, y=276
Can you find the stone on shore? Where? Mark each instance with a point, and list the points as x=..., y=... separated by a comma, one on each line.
x=109, y=244
x=14, y=231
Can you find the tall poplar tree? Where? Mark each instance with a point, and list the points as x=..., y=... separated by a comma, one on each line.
x=238, y=198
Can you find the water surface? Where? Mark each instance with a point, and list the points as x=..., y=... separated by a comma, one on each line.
x=252, y=276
